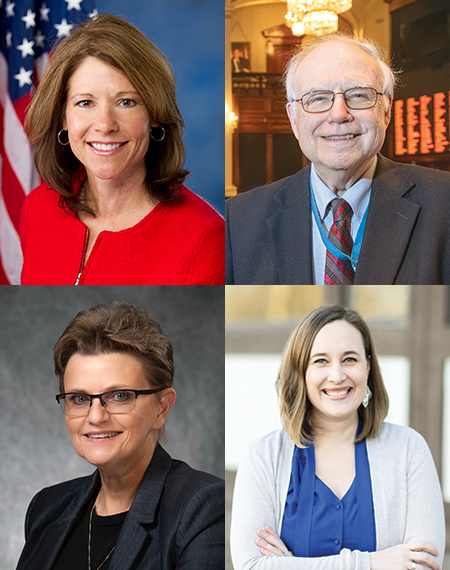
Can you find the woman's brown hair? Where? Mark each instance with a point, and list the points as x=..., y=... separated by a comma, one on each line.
x=294, y=404
x=118, y=43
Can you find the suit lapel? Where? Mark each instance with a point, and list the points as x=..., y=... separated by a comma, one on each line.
x=133, y=536
x=55, y=534
x=290, y=230
x=390, y=223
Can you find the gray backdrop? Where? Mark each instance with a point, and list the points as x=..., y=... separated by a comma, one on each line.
x=35, y=450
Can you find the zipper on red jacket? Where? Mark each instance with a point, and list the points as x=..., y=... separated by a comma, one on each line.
x=83, y=257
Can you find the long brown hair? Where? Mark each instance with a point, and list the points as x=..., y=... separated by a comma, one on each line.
x=294, y=404
x=119, y=44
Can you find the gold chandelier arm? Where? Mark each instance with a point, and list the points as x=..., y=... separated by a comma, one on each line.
x=318, y=17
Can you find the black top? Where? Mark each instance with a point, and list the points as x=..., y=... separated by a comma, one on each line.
x=176, y=521
x=104, y=534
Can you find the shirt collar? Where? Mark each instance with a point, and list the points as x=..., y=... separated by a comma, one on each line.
x=356, y=195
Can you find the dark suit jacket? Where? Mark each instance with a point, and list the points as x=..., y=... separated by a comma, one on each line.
x=175, y=522
x=406, y=239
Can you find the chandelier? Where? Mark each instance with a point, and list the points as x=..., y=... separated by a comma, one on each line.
x=315, y=17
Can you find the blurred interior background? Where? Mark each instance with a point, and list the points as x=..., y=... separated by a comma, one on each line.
x=411, y=330
x=259, y=144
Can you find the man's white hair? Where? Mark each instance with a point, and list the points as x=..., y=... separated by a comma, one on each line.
x=390, y=77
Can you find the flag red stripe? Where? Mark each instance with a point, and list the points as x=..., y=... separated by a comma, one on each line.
x=13, y=194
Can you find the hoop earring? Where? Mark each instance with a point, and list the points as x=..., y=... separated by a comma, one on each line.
x=367, y=397
x=59, y=138
x=163, y=133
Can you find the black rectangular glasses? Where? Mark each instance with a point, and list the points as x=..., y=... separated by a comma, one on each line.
x=76, y=404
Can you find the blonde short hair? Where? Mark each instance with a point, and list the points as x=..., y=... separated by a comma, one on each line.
x=295, y=406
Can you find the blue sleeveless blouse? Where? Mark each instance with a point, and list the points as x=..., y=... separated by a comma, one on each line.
x=316, y=523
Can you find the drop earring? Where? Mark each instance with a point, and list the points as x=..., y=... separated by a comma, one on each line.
x=367, y=397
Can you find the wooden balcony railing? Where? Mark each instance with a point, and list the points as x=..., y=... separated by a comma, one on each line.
x=258, y=84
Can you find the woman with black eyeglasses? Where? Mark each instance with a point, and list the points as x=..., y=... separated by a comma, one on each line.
x=140, y=509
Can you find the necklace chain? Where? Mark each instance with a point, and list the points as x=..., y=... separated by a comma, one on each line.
x=89, y=542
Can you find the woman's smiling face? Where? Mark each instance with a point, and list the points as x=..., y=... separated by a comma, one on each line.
x=107, y=121
x=337, y=372
x=128, y=439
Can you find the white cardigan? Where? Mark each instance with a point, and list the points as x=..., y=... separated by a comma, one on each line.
x=406, y=494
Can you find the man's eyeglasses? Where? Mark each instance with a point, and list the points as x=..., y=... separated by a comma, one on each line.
x=356, y=98
x=77, y=405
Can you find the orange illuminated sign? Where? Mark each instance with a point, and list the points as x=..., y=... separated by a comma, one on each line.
x=420, y=125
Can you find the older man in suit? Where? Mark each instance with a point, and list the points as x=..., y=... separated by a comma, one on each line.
x=351, y=216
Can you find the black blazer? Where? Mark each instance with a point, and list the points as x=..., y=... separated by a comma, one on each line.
x=406, y=239
x=175, y=522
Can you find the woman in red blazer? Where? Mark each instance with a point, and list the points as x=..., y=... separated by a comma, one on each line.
x=113, y=208
x=140, y=510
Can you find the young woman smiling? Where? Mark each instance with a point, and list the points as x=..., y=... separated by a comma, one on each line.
x=337, y=488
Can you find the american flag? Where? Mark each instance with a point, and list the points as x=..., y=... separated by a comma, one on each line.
x=28, y=30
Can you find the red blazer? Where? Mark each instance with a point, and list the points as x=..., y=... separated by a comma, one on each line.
x=177, y=243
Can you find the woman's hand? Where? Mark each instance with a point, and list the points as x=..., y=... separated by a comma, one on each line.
x=401, y=557
x=270, y=544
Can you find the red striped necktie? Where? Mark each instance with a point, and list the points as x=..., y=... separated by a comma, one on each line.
x=340, y=271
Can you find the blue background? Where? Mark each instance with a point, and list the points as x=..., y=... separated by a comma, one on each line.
x=192, y=35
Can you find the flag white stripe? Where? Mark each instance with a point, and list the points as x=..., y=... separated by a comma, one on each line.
x=10, y=250
x=15, y=141
x=41, y=64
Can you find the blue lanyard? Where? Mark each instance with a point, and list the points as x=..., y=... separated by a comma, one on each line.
x=330, y=245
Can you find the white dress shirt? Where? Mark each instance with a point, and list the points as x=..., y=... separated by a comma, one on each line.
x=357, y=196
